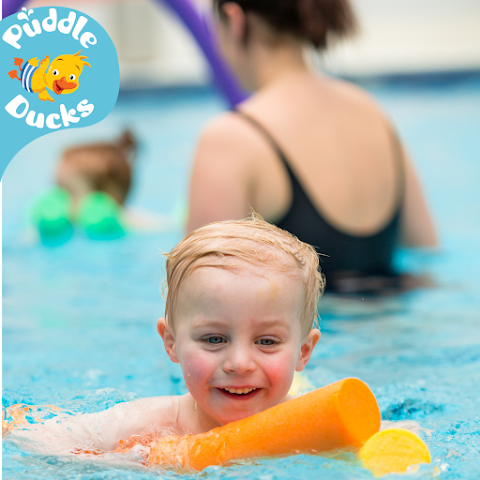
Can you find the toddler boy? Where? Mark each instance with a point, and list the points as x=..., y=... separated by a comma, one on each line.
x=240, y=310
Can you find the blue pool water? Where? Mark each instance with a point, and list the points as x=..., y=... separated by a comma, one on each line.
x=79, y=320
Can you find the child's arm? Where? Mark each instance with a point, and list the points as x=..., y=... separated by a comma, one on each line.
x=102, y=430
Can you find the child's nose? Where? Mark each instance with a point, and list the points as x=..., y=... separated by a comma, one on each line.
x=239, y=361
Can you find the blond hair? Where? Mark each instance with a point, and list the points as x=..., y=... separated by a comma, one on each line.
x=251, y=239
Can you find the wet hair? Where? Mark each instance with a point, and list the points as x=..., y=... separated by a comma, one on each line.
x=313, y=21
x=251, y=240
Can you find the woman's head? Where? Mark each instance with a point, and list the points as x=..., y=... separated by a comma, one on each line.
x=264, y=38
x=310, y=21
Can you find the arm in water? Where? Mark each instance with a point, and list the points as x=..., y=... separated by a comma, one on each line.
x=99, y=431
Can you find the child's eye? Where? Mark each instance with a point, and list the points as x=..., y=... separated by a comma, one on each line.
x=214, y=340
x=268, y=342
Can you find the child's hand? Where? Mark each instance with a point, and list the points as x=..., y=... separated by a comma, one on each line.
x=147, y=436
x=15, y=416
x=17, y=413
x=6, y=427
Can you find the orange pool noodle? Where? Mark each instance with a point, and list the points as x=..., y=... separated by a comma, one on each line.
x=341, y=415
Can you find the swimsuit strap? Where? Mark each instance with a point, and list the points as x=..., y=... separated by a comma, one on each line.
x=347, y=255
x=268, y=136
x=394, y=141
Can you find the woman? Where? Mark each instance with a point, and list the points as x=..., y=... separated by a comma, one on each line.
x=313, y=155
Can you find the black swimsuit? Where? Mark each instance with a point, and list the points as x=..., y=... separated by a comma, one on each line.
x=350, y=263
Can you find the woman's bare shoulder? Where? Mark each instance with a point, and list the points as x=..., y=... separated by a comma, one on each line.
x=355, y=95
x=229, y=137
x=229, y=129
x=222, y=171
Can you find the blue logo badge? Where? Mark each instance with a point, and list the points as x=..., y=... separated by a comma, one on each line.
x=58, y=69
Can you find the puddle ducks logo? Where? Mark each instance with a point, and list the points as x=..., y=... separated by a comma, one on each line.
x=50, y=48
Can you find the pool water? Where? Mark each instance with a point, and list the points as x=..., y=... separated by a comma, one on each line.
x=79, y=320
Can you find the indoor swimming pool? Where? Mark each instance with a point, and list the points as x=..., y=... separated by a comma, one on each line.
x=79, y=319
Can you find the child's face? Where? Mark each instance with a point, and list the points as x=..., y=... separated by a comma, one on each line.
x=238, y=338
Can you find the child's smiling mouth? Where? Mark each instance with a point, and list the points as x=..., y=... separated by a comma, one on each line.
x=246, y=392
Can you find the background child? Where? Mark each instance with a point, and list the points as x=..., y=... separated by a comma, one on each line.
x=240, y=310
x=104, y=167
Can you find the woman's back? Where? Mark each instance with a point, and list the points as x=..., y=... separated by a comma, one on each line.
x=338, y=145
x=303, y=136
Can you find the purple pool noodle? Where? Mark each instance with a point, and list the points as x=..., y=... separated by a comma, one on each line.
x=222, y=74
x=9, y=7
x=200, y=31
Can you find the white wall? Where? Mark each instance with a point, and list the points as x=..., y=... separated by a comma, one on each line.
x=396, y=36
x=411, y=36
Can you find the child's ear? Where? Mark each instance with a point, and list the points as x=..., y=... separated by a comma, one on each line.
x=307, y=348
x=168, y=339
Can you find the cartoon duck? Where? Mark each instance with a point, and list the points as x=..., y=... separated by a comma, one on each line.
x=61, y=77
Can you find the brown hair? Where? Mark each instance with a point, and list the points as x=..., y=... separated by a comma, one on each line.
x=311, y=20
x=253, y=240
x=104, y=167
